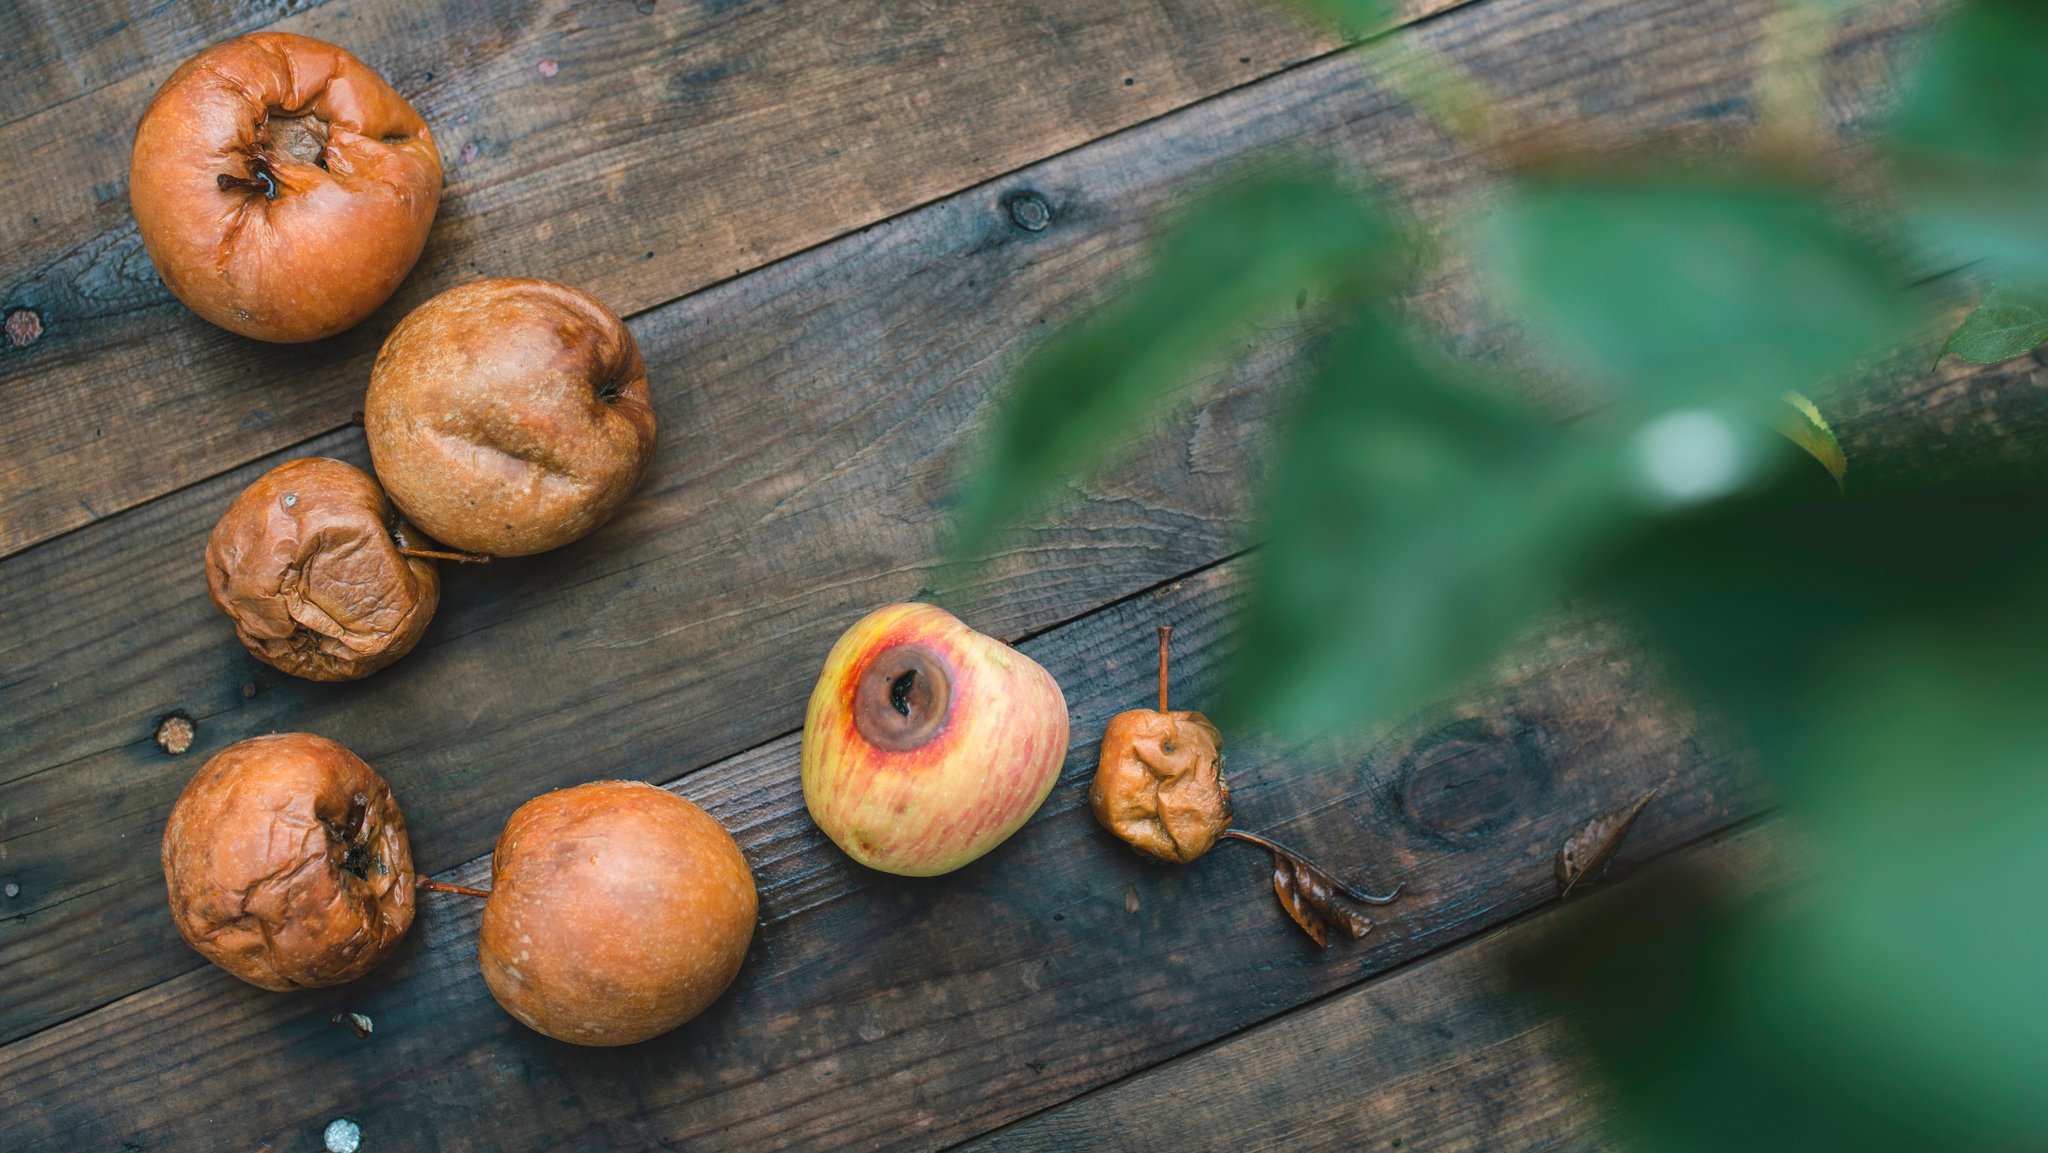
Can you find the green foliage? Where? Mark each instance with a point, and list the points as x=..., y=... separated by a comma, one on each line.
x=1887, y=656
x=1970, y=141
x=1887, y=652
x=1416, y=524
x=2011, y=320
x=1694, y=289
x=1253, y=248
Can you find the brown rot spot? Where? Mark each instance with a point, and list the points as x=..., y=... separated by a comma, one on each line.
x=175, y=733
x=902, y=698
x=24, y=327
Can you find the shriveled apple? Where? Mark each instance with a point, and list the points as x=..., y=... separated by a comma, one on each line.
x=287, y=863
x=926, y=743
x=282, y=188
x=319, y=574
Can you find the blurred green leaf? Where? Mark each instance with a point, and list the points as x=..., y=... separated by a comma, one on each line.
x=1889, y=654
x=1685, y=290
x=1970, y=140
x=2011, y=320
x=1253, y=248
x=1355, y=19
x=1415, y=525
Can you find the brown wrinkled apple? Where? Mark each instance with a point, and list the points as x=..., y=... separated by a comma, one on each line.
x=307, y=562
x=1159, y=780
x=510, y=417
x=617, y=912
x=282, y=188
x=287, y=863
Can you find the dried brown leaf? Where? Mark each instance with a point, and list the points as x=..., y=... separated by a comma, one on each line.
x=1589, y=849
x=1313, y=897
x=1287, y=886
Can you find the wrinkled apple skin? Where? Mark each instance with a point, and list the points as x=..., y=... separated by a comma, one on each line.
x=929, y=810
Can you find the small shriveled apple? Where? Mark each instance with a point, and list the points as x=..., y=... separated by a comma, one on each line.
x=926, y=743
x=510, y=417
x=282, y=188
x=320, y=576
x=287, y=863
x=617, y=911
x=1159, y=786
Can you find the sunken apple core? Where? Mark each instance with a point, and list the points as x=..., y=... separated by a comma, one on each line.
x=902, y=698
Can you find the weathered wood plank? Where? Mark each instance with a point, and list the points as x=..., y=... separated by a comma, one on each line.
x=791, y=493
x=656, y=153
x=884, y=1013
x=55, y=51
x=1441, y=1057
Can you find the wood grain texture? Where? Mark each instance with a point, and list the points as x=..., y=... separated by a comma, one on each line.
x=655, y=153
x=56, y=51
x=1441, y=1057
x=887, y=1013
x=813, y=417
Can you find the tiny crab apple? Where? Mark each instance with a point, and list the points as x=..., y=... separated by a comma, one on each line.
x=1159, y=786
x=926, y=743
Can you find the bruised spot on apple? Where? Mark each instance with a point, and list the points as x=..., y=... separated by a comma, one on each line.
x=926, y=743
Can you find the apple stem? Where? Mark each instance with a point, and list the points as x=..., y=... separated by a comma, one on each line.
x=1165, y=631
x=263, y=181
x=427, y=886
x=1279, y=850
x=437, y=554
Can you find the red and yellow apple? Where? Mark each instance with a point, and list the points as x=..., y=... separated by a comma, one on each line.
x=927, y=744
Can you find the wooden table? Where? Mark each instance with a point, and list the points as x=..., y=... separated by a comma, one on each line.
x=810, y=213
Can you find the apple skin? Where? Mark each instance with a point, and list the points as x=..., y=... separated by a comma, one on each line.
x=333, y=181
x=999, y=741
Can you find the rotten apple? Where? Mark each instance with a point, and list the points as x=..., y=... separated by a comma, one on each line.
x=926, y=743
x=282, y=188
x=617, y=911
x=319, y=574
x=510, y=416
x=287, y=863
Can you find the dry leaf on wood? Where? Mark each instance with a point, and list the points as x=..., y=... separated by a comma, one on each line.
x=1590, y=848
x=1314, y=898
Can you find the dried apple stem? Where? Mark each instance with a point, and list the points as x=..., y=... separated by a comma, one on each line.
x=428, y=886
x=1165, y=632
x=263, y=181
x=437, y=554
x=1280, y=850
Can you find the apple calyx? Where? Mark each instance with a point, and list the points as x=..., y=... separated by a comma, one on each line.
x=903, y=697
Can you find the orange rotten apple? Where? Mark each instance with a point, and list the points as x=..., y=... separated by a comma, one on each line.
x=1159, y=785
x=927, y=744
